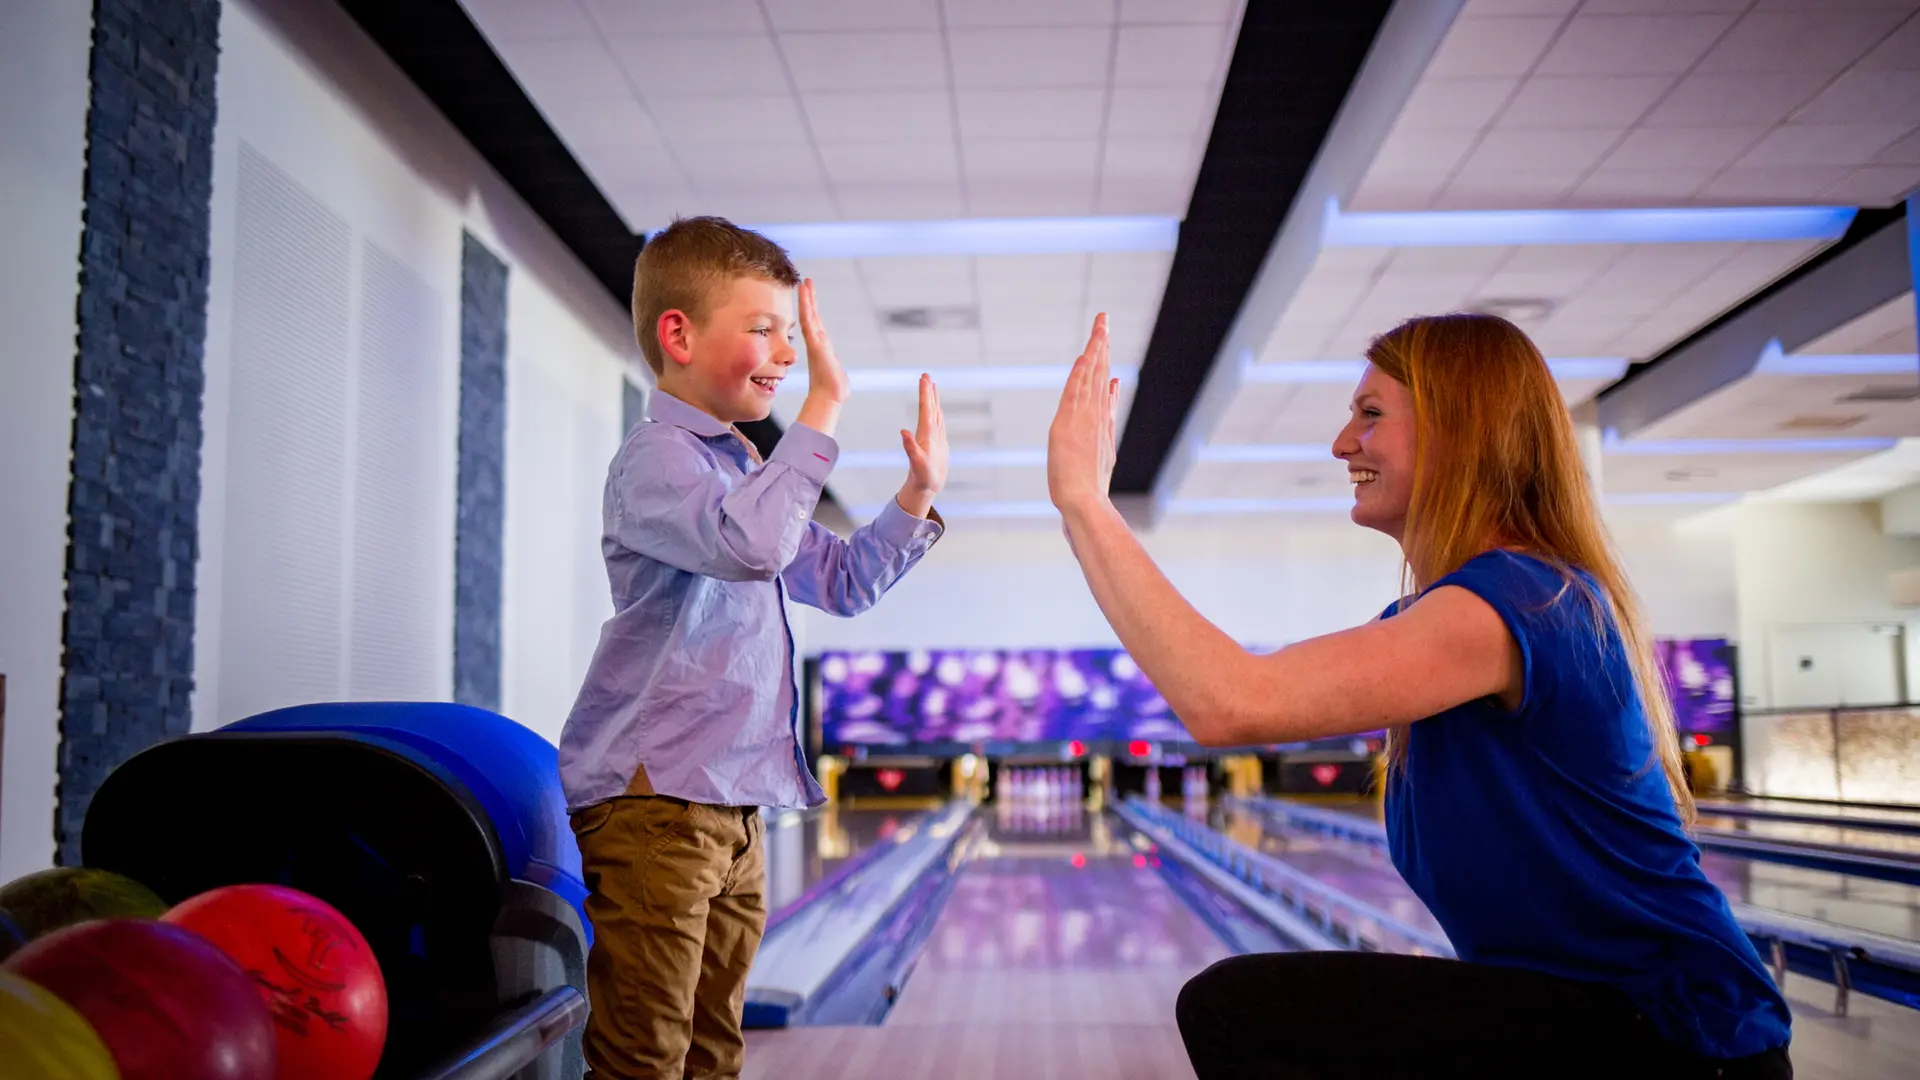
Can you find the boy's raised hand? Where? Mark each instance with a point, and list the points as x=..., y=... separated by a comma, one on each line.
x=827, y=386
x=926, y=448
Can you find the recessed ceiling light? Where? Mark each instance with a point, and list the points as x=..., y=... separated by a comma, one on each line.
x=1522, y=309
x=931, y=318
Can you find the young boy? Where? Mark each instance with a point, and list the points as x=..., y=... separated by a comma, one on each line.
x=687, y=722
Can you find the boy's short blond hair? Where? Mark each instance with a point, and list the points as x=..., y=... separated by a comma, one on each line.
x=683, y=265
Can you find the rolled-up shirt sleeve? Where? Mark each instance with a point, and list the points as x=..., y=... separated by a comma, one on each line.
x=672, y=502
x=846, y=577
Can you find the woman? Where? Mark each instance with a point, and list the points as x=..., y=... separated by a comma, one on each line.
x=1534, y=799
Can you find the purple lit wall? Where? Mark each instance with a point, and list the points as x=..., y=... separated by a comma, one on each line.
x=1699, y=675
x=934, y=697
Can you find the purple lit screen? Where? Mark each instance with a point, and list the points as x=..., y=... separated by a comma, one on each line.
x=1700, y=677
x=981, y=696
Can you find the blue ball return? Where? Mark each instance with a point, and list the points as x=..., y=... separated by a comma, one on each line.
x=439, y=830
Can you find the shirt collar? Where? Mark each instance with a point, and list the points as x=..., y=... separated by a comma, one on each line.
x=668, y=409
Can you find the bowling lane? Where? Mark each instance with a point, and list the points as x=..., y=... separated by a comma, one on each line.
x=1792, y=808
x=1058, y=953
x=807, y=848
x=1844, y=899
x=1865, y=839
x=1883, y=907
x=1363, y=873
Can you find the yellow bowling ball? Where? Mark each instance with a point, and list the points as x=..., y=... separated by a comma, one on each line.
x=42, y=1039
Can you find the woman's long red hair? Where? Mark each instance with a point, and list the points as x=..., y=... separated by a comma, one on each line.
x=1497, y=464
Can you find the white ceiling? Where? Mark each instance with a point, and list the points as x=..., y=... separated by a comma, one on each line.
x=821, y=110
x=784, y=111
x=1557, y=103
x=1611, y=300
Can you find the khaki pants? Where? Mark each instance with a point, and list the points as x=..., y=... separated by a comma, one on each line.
x=677, y=901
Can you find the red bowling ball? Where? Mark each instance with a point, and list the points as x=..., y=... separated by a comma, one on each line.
x=166, y=1003
x=310, y=965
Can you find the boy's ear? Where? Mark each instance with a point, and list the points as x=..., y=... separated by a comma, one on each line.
x=676, y=336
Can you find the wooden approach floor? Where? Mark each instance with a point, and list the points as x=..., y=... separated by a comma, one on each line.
x=994, y=1034
x=1038, y=970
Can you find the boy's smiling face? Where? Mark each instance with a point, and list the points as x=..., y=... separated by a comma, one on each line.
x=729, y=363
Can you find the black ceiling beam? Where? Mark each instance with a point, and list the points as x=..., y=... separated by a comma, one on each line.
x=1864, y=269
x=437, y=46
x=1292, y=67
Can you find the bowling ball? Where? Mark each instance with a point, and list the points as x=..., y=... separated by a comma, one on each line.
x=165, y=1001
x=312, y=967
x=11, y=936
x=50, y=900
x=42, y=1038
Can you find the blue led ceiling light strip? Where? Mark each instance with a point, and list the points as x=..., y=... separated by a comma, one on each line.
x=1502, y=228
x=973, y=236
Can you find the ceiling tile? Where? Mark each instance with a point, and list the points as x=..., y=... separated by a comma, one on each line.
x=1056, y=56
x=1030, y=198
x=1160, y=110
x=896, y=202
x=1148, y=159
x=902, y=60
x=1416, y=150
x=557, y=70
x=616, y=123
x=1874, y=185
x=1434, y=260
x=1900, y=50
x=1179, y=11
x=1859, y=96
x=738, y=166
x=1061, y=113
x=1583, y=101
x=1633, y=44
x=1456, y=104
x=919, y=279
x=1049, y=159
x=1521, y=7
x=934, y=348
x=646, y=209
x=1167, y=196
x=911, y=115
x=616, y=166
x=1904, y=152
x=517, y=20
x=1822, y=41
x=1734, y=100
x=729, y=121
x=1815, y=145
x=1385, y=190
x=1154, y=55
x=1565, y=150
x=687, y=67
x=1681, y=149
x=853, y=14
x=1500, y=45
x=1608, y=186
x=1023, y=271
x=762, y=205
x=1583, y=261
x=675, y=18
x=1655, y=7
x=929, y=164
x=974, y=13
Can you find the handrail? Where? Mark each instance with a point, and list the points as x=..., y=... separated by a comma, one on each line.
x=1296, y=888
x=1876, y=963
x=1287, y=923
x=516, y=1039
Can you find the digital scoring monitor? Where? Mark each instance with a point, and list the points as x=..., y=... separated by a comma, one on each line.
x=962, y=697
x=1700, y=679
